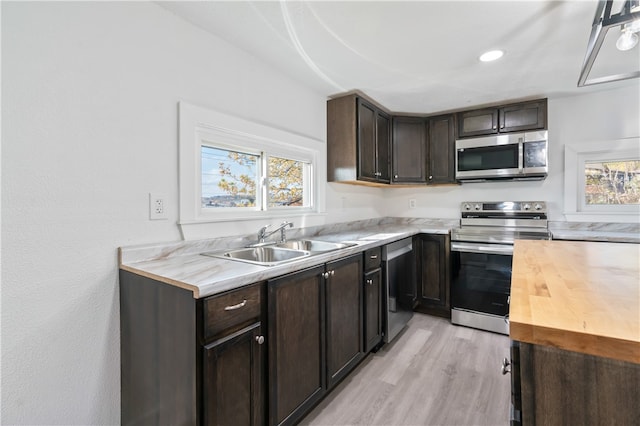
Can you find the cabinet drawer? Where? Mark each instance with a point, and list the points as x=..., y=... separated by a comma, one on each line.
x=231, y=309
x=372, y=258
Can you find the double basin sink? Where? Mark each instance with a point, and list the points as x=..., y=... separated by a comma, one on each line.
x=278, y=253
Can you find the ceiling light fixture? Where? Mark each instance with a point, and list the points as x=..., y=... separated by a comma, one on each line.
x=628, y=19
x=492, y=55
x=627, y=40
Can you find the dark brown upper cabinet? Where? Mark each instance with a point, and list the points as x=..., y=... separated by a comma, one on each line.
x=409, y=150
x=368, y=145
x=358, y=141
x=526, y=116
x=441, y=150
x=503, y=119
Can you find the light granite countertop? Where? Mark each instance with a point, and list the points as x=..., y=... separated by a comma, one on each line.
x=181, y=264
x=603, y=232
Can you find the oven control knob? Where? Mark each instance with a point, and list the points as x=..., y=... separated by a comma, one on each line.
x=467, y=207
x=538, y=207
x=527, y=207
x=477, y=207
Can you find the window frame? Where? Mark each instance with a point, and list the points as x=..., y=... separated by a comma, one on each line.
x=200, y=126
x=576, y=156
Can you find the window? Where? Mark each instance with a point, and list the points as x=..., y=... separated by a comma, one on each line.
x=602, y=181
x=234, y=169
x=232, y=179
x=612, y=182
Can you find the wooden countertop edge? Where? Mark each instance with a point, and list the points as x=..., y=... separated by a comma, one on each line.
x=602, y=346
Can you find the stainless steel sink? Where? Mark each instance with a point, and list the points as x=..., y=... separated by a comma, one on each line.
x=265, y=255
x=314, y=246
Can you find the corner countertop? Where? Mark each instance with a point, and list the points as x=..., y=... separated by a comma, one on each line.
x=182, y=265
x=578, y=296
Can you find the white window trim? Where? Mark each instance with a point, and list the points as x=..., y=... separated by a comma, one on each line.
x=197, y=124
x=575, y=156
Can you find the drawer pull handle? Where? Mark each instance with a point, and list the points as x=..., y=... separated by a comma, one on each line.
x=374, y=256
x=506, y=366
x=234, y=307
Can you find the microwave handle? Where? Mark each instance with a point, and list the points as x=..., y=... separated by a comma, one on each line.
x=521, y=155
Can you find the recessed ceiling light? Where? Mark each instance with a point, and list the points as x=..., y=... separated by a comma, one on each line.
x=491, y=55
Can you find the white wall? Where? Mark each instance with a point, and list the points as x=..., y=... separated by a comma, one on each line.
x=604, y=115
x=89, y=112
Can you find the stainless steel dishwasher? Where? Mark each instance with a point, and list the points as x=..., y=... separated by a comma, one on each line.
x=399, y=266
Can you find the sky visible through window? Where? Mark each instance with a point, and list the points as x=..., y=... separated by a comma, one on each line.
x=228, y=177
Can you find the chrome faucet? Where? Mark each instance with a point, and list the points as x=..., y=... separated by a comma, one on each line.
x=262, y=233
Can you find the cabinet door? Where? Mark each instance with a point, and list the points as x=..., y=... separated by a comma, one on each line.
x=233, y=384
x=409, y=150
x=372, y=309
x=527, y=116
x=478, y=122
x=433, y=291
x=296, y=344
x=367, y=123
x=344, y=317
x=441, y=149
x=383, y=147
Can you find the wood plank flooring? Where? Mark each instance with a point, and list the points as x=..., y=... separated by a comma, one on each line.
x=434, y=373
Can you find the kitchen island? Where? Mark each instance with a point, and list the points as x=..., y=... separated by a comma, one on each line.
x=575, y=324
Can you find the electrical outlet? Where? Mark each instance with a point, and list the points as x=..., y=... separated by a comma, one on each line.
x=412, y=203
x=157, y=207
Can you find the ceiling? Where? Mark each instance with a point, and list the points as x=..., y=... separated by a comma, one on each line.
x=419, y=56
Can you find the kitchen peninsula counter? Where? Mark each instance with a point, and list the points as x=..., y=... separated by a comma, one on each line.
x=577, y=296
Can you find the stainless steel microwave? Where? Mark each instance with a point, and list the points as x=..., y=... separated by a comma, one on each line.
x=516, y=156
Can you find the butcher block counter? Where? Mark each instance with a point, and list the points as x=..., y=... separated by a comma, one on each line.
x=577, y=296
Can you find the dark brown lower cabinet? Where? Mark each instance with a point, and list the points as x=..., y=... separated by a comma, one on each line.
x=234, y=379
x=372, y=309
x=434, y=271
x=296, y=344
x=561, y=387
x=344, y=317
x=315, y=335
x=187, y=361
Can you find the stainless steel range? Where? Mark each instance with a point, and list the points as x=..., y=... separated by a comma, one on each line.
x=482, y=252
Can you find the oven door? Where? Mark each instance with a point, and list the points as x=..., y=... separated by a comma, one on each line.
x=481, y=283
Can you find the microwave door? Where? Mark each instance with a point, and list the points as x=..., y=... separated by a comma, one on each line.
x=498, y=161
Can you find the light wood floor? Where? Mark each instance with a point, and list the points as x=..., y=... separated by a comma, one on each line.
x=434, y=373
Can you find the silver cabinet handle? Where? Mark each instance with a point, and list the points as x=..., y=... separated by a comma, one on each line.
x=234, y=307
x=370, y=282
x=373, y=256
x=506, y=366
x=260, y=339
x=332, y=273
x=325, y=275
x=430, y=177
x=395, y=176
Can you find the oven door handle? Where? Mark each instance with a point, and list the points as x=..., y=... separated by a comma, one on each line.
x=482, y=248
